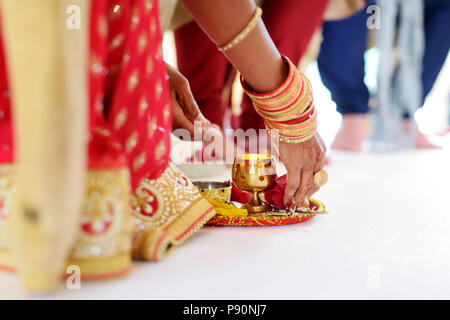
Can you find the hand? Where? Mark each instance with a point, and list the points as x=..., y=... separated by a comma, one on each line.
x=184, y=108
x=302, y=161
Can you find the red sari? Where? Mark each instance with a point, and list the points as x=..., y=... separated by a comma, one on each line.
x=129, y=106
x=130, y=120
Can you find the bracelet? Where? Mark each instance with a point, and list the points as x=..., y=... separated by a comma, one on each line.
x=244, y=33
x=293, y=140
x=287, y=102
x=288, y=111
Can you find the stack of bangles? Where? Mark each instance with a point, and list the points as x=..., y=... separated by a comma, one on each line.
x=288, y=111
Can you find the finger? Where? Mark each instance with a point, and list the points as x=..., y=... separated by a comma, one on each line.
x=185, y=123
x=292, y=184
x=312, y=191
x=306, y=184
x=189, y=105
x=319, y=159
x=317, y=167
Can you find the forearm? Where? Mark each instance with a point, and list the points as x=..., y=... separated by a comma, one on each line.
x=256, y=57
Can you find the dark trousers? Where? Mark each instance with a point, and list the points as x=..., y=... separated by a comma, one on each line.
x=341, y=59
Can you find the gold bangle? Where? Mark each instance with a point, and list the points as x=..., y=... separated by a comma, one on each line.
x=292, y=140
x=244, y=33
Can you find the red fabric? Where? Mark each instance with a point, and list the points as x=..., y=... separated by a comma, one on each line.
x=6, y=142
x=219, y=220
x=239, y=195
x=275, y=195
x=136, y=109
x=129, y=103
x=291, y=24
x=205, y=67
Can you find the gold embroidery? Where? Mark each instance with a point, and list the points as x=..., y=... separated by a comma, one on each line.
x=102, y=131
x=158, y=89
x=116, y=42
x=159, y=55
x=149, y=67
x=166, y=195
x=133, y=81
x=160, y=150
x=148, y=5
x=116, y=11
x=143, y=105
x=96, y=67
x=104, y=229
x=139, y=161
x=135, y=17
x=166, y=112
x=121, y=118
x=102, y=26
x=153, y=27
x=142, y=42
x=152, y=127
x=99, y=106
x=131, y=142
x=126, y=57
x=165, y=212
x=102, y=248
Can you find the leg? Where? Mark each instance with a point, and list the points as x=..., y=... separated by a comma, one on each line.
x=437, y=42
x=341, y=66
x=437, y=45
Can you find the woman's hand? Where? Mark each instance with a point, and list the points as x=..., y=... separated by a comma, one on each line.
x=302, y=161
x=185, y=109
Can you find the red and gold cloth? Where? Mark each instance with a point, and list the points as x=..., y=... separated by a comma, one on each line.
x=220, y=220
x=129, y=104
x=130, y=119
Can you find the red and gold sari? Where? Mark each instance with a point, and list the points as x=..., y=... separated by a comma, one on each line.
x=135, y=203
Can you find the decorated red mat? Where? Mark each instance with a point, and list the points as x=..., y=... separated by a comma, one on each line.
x=220, y=220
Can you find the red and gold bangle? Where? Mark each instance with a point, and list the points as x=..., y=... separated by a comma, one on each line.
x=272, y=94
x=295, y=124
x=299, y=87
x=295, y=131
x=311, y=128
x=295, y=110
x=287, y=102
x=288, y=111
x=292, y=140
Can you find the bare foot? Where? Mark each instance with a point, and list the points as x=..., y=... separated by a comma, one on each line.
x=354, y=130
x=421, y=141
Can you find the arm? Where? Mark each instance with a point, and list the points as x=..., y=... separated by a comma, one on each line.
x=261, y=65
x=222, y=20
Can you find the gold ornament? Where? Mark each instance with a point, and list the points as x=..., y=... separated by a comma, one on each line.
x=321, y=178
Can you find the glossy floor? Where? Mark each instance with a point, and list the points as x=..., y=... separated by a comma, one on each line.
x=387, y=236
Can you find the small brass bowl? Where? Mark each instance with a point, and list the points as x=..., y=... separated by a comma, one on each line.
x=214, y=190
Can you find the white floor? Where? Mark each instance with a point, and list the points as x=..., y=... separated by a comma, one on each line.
x=387, y=236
